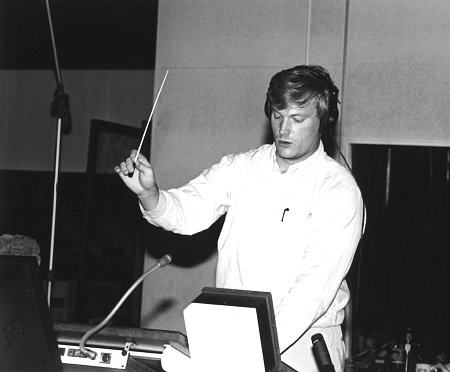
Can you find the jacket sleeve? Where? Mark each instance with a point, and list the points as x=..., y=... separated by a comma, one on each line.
x=197, y=205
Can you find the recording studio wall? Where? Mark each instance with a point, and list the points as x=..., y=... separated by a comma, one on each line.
x=390, y=62
x=28, y=132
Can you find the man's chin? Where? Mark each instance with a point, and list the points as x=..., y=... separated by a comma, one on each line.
x=283, y=154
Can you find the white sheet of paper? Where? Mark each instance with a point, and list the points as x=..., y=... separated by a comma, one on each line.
x=174, y=361
x=223, y=338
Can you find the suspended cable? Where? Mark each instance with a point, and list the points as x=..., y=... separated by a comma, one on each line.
x=59, y=109
x=52, y=35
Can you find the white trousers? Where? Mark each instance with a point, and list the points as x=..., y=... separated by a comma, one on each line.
x=300, y=355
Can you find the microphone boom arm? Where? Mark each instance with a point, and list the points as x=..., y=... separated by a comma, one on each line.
x=163, y=261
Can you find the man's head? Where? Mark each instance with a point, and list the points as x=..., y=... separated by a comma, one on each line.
x=301, y=105
x=301, y=85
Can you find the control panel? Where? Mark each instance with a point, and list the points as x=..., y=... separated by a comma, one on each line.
x=108, y=358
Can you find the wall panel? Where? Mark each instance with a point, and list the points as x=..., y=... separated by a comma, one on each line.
x=398, y=72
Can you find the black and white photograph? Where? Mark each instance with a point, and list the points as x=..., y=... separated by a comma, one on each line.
x=225, y=185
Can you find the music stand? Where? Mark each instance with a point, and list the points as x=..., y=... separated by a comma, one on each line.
x=228, y=329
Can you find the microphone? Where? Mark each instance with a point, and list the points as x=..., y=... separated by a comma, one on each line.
x=60, y=109
x=321, y=353
x=163, y=261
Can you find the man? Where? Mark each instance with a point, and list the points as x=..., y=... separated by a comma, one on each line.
x=294, y=216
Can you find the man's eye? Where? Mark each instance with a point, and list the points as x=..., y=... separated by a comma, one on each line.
x=275, y=116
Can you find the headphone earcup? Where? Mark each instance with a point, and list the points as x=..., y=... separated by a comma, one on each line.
x=333, y=110
x=267, y=108
x=333, y=93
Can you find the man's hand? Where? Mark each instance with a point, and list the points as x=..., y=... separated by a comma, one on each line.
x=142, y=182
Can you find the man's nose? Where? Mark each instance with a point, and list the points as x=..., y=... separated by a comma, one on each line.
x=284, y=126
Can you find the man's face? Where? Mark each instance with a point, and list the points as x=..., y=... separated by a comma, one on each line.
x=296, y=133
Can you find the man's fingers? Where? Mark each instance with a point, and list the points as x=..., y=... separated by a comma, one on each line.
x=141, y=158
x=143, y=161
x=130, y=167
x=127, y=167
x=124, y=168
x=129, y=164
x=141, y=166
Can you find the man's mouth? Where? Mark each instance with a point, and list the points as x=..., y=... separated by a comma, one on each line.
x=283, y=142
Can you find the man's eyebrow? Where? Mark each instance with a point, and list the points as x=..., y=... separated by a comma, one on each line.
x=299, y=114
x=296, y=114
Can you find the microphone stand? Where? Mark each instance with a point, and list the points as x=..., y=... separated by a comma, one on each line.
x=52, y=239
x=60, y=110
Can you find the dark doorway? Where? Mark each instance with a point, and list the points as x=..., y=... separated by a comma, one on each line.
x=400, y=277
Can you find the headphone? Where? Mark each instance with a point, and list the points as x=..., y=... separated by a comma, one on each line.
x=320, y=74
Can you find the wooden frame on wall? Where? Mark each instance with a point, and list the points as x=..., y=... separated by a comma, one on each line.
x=110, y=143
